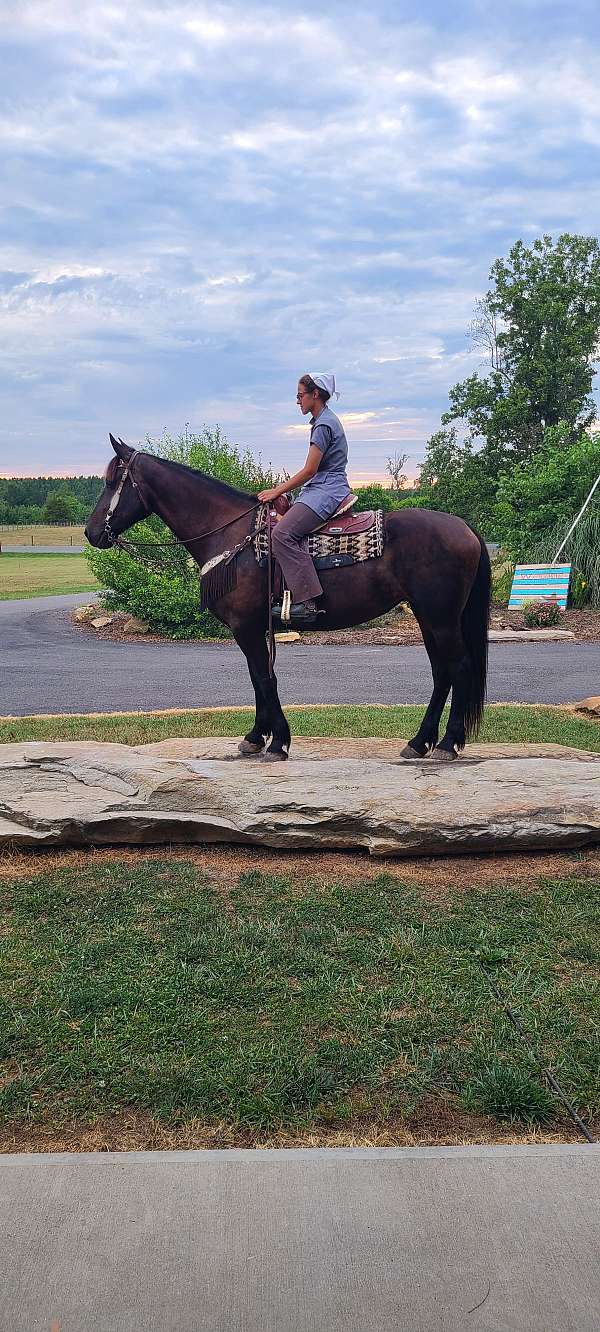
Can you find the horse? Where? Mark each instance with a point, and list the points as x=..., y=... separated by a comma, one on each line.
x=432, y=560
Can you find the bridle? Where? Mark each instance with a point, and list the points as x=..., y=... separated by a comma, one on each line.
x=127, y=472
x=230, y=555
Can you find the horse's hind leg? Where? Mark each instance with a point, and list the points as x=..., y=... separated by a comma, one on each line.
x=427, y=735
x=452, y=645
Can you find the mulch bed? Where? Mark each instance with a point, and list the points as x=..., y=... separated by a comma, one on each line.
x=393, y=630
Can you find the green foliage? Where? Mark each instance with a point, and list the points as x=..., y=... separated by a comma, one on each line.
x=62, y=507
x=211, y=452
x=22, y=498
x=582, y=551
x=376, y=496
x=539, y=326
x=160, y=583
x=456, y=479
x=546, y=493
x=168, y=599
x=541, y=613
x=502, y=577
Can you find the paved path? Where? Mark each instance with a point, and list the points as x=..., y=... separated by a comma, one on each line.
x=46, y=665
x=302, y=1241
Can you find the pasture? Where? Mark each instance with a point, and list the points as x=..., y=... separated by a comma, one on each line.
x=43, y=575
x=41, y=534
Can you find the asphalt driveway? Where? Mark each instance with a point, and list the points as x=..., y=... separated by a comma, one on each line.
x=47, y=665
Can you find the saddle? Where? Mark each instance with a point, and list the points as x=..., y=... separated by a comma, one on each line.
x=342, y=523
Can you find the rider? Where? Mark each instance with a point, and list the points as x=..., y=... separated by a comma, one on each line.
x=324, y=487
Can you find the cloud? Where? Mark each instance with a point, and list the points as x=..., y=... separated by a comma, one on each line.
x=202, y=201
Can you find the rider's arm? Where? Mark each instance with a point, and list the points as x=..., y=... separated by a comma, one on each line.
x=311, y=466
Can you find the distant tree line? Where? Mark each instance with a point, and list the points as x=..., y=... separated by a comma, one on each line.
x=48, y=499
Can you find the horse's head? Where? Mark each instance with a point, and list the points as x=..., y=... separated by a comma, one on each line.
x=121, y=504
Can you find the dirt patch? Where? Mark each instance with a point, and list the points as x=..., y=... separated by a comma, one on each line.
x=436, y=876
x=436, y=1122
x=397, y=629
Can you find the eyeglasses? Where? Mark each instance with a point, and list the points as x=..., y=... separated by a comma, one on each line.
x=305, y=394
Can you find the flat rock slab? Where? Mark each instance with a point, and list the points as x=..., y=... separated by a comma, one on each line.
x=528, y=635
x=331, y=795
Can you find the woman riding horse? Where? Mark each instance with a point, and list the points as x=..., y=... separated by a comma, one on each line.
x=324, y=487
x=432, y=560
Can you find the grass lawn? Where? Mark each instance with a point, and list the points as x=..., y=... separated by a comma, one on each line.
x=43, y=575
x=41, y=535
x=502, y=722
x=246, y=1008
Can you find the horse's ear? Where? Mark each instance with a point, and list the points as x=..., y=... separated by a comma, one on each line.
x=122, y=450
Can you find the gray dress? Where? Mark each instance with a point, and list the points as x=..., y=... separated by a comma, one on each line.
x=329, y=487
x=318, y=499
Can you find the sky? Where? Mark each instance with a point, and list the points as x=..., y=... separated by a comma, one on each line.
x=199, y=203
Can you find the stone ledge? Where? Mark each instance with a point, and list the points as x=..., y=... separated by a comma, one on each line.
x=333, y=794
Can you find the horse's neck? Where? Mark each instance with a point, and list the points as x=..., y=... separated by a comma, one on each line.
x=195, y=507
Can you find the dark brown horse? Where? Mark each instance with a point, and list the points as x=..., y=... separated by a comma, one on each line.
x=432, y=560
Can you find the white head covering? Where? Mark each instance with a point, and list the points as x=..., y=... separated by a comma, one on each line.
x=326, y=382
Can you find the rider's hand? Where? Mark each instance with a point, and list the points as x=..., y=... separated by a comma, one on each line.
x=266, y=495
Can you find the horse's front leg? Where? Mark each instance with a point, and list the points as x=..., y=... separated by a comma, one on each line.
x=270, y=719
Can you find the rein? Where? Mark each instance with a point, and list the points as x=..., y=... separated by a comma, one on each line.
x=176, y=541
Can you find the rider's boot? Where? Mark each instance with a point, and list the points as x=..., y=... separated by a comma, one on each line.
x=302, y=612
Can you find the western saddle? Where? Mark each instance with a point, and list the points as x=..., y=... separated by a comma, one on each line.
x=341, y=523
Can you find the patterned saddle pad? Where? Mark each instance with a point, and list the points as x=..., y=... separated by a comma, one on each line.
x=331, y=550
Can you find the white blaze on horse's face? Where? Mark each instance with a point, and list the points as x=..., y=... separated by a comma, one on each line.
x=119, y=507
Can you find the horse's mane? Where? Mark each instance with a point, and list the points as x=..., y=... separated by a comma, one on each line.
x=192, y=473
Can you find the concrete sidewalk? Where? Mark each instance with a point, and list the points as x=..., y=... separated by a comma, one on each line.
x=302, y=1241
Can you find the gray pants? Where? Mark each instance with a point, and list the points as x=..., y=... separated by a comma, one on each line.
x=290, y=551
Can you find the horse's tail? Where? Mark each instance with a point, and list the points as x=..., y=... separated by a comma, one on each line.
x=474, y=624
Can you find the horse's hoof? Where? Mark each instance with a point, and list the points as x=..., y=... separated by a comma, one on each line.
x=409, y=753
x=444, y=755
x=247, y=747
x=274, y=756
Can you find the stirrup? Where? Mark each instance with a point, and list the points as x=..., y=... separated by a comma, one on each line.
x=296, y=614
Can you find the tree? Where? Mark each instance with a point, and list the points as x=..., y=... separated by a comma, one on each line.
x=376, y=496
x=539, y=326
x=395, y=469
x=62, y=507
x=456, y=479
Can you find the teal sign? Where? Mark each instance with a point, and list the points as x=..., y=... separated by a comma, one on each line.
x=540, y=582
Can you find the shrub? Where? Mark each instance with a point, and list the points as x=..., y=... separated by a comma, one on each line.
x=541, y=614
x=167, y=599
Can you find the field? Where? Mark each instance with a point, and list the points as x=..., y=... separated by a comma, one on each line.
x=35, y=534
x=43, y=575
